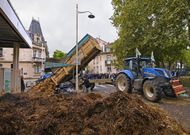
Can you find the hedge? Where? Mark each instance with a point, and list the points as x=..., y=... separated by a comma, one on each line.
x=185, y=80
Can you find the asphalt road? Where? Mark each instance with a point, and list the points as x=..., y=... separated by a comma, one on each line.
x=178, y=108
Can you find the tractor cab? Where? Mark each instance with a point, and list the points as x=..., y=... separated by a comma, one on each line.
x=138, y=64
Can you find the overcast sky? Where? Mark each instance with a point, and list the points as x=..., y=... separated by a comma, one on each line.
x=58, y=20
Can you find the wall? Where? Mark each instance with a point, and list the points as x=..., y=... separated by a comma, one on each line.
x=98, y=65
x=26, y=62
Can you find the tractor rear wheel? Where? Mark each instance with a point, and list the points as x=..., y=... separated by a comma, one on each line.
x=152, y=91
x=123, y=83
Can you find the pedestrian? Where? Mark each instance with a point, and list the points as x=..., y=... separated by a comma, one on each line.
x=22, y=84
x=87, y=85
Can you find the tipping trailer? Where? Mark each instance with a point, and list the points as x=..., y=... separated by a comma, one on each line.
x=88, y=50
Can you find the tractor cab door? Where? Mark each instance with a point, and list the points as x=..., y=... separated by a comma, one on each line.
x=132, y=65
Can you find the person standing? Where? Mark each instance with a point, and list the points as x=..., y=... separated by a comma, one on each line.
x=22, y=84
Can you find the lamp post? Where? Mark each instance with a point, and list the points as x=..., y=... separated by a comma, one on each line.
x=91, y=16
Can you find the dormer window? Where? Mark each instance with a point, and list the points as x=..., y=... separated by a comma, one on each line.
x=38, y=40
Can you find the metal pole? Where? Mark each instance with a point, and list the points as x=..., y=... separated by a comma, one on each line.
x=76, y=85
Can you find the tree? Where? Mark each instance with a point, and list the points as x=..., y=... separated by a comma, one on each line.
x=187, y=58
x=151, y=25
x=58, y=54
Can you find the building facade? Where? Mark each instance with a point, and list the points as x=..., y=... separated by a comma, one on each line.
x=31, y=61
x=103, y=62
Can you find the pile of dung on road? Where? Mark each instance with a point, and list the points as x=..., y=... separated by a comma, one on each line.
x=44, y=88
x=88, y=114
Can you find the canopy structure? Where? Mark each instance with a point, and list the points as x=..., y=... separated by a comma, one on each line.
x=12, y=35
x=56, y=65
x=11, y=28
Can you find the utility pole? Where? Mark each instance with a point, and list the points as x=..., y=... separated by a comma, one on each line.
x=91, y=16
x=77, y=59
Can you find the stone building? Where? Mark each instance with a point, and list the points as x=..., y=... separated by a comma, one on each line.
x=31, y=61
x=103, y=62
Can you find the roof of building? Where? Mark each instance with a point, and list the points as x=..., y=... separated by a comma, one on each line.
x=35, y=28
x=11, y=29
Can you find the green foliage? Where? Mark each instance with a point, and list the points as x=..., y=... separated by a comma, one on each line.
x=58, y=54
x=185, y=80
x=186, y=57
x=151, y=25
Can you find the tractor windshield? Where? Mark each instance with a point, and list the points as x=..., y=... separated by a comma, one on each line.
x=132, y=63
x=146, y=64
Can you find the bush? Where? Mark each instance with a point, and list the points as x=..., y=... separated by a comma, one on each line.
x=188, y=74
x=185, y=80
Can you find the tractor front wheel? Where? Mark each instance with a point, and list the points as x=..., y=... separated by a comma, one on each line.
x=152, y=91
x=123, y=83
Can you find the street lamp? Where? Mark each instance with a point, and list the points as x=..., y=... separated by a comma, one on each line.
x=91, y=16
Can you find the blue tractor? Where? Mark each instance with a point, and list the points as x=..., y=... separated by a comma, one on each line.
x=141, y=75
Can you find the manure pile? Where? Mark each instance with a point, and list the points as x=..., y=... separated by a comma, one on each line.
x=44, y=88
x=82, y=114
